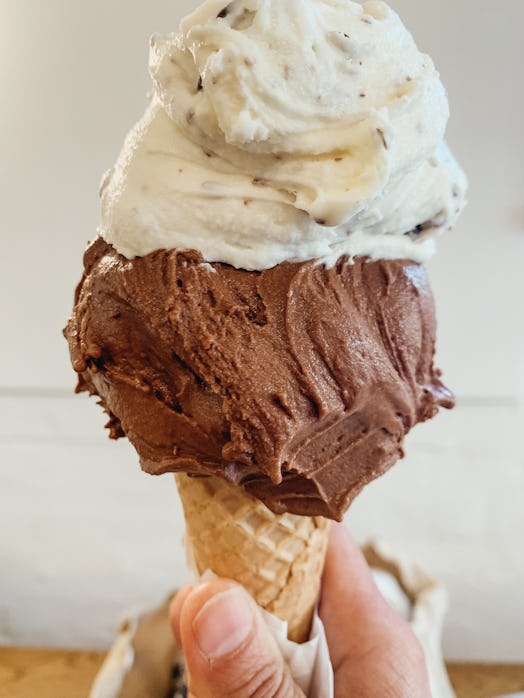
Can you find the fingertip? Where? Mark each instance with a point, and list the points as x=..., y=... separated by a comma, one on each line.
x=175, y=610
x=203, y=592
x=341, y=539
x=344, y=559
x=200, y=597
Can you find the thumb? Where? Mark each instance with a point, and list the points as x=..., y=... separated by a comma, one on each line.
x=371, y=647
x=227, y=647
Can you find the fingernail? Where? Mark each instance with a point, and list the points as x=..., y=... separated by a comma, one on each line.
x=223, y=623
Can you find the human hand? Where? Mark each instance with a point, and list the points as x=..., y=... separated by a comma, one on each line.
x=230, y=653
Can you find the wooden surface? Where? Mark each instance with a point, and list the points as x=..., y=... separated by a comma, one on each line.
x=486, y=680
x=47, y=673
x=25, y=673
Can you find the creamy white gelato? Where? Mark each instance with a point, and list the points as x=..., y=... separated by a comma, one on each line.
x=283, y=131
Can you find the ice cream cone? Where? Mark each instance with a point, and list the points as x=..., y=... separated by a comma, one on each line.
x=278, y=559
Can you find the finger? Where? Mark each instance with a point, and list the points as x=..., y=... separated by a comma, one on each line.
x=349, y=598
x=227, y=647
x=175, y=608
x=369, y=644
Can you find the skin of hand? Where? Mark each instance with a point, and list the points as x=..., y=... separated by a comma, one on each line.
x=230, y=653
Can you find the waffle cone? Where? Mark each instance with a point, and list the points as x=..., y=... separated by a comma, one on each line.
x=278, y=559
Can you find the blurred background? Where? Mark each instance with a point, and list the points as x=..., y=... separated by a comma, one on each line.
x=84, y=535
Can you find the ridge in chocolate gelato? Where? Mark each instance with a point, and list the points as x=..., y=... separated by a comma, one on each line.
x=298, y=383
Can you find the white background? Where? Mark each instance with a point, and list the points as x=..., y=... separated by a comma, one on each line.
x=83, y=534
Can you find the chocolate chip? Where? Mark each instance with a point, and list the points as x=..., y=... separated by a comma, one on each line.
x=199, y=86
x=223, y=13
x=419, y=230
x=383, y=138
x=362, y=94
x=321, y=221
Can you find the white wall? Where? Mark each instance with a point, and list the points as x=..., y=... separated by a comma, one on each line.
x=83, y=534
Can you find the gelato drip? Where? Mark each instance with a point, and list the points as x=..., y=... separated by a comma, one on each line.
x=297, y=382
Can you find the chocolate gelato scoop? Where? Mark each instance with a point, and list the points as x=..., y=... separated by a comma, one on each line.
x=297, y=382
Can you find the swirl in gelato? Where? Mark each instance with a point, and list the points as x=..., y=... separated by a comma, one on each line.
x=287, y=131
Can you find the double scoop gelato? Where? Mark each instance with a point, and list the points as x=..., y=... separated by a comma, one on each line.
x=255, y=306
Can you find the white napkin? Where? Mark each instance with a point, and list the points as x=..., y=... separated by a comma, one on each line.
x=109, y=680
x=309, y=662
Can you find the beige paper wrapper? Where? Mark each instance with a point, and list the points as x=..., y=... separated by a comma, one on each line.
x=145, y=654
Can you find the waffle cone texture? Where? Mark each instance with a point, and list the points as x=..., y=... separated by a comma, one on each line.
x=277, y=558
